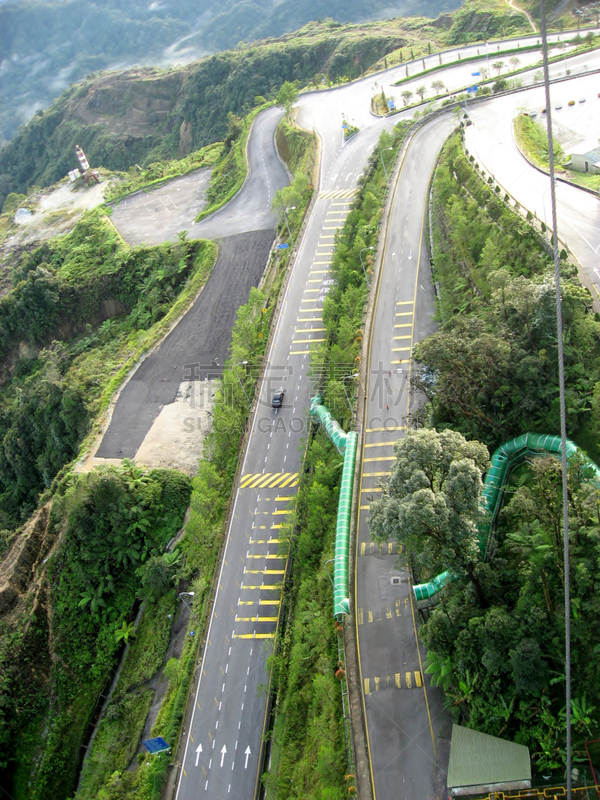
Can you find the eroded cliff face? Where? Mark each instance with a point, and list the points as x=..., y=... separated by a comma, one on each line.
x=23, y=563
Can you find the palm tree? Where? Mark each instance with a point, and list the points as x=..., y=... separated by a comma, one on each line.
x=421, y=91
x=498, y=66
x=437, y=86
x=514, y=61
x=125, y=631
x=406, y=96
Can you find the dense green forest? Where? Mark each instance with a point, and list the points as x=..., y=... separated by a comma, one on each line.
x=56, y=659
x=78, y=310
x=496, y=640
x=48, y=45
x=141, y=116
x=196, y=101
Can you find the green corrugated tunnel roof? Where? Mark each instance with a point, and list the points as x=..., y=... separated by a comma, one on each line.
x=479, y=759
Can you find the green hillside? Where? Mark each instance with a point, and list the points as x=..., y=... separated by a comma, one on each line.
x=46, y=46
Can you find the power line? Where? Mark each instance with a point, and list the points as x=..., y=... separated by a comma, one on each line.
x=561, y=386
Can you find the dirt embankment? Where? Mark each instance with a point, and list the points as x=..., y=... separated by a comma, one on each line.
x=20, y=566
x=135, y=103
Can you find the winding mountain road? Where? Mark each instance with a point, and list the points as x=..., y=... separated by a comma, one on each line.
x=406, y=726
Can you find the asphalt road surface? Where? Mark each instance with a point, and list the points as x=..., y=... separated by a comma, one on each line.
x=156, y=216
x=408, y=727
x=250, y=209
x=404, y=717
x=201, y=338
x=491, y=140
x=246, y=227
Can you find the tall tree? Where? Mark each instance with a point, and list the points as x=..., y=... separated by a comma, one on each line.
x=431, y=502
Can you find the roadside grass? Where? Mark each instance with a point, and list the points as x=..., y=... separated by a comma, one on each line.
x=231, y=170
x=309, y=759
x=136, y=178
x=116, y=742
x=532, y=140
x=148, y=646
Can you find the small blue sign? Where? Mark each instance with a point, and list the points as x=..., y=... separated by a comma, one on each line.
x=391, y=105
x=472, y=89
x=476, y=73
x=344, y=126
x=282, y=246
x=157, y=745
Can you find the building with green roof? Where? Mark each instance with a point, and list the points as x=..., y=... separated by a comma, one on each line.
x=480, y=764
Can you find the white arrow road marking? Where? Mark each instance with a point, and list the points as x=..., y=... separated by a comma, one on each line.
x=410, y=256
x=198, y=751
x=393, y=255
x=247, y=754
x=597, y=273
x=223, y=751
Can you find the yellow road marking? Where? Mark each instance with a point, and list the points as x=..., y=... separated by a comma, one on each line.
x=404, y=325
x=376, y=684
x=262, y=555
x=254, y=635
x=359, y=614
x=307, y=341
x=363, y=546
x=315, y=280
x=401, y=349
x=283, y=511
x=398, y=608
x=260, y=484
x=269, y=602
x=256, y=619
x=367, y=686
x=408, y=680
x=398, y=681
x=310, y=319
x=274, y=483
x=403, y=314
x=299, y=352
x=370, y=616
x=380, y=444
x=364, y=508
x=283, y=498
x=310, y=330
x=311, y=290
x=265, y=572
x=385, y=430
x=406, y=303
x=247, y=479
x=289, y=480
x=418, y=679
x=374, y=474
x=372, y=489
x=401, y=338
x=254, y=484
x=381, y=458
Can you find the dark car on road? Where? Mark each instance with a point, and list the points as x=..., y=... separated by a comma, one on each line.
x=278, y=398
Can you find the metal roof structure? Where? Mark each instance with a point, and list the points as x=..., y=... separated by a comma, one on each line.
x=478, y=761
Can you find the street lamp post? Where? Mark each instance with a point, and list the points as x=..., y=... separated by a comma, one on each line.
x=363, y=264
x=290, y=208
x=188, y=594
x=345, y=378
x=239, y=381
x=383, y=162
